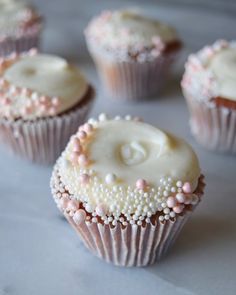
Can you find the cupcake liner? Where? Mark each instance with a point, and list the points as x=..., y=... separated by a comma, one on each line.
x=20, y=44
x=130, y=245
x=214, y=127
x=42, y=140
x=133, y=80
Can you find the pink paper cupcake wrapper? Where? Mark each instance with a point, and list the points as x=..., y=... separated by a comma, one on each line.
x=213, y=127
x=130, y=245
x=21, y=44
x=133, y=80
x=43, y=140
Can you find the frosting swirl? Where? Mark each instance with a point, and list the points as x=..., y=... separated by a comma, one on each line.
x=126, y=167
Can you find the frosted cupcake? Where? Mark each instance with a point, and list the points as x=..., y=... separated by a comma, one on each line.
x=209, y=85
x=127, y=188
x=132, y=53
x=42, y=101
x=20, y=27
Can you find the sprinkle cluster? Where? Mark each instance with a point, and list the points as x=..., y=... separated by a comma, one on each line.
x=118, y=45
x=32, y=102
x=107, y=199
x=198, y=80
x=25, y=21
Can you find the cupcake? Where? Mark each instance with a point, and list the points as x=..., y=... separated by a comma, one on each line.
x=127, y=188
x=209, y=86
x=133, y=53
x=20, y=27
x=42, y=101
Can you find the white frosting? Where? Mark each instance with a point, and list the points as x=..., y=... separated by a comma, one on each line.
x=122, y=31
x=44, y=75
x=223, y=67
x=12, y=13
x=152, y=153
x=211, y=72
x=122, y=152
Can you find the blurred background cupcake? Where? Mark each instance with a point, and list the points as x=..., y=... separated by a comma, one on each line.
x=132, y=52
x=127, y=188
x=209, y=86
x=20, y=26
x=43, y=99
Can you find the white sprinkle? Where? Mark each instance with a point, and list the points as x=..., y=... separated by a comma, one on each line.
x=161, y=218
x=179, y=184
x=128, y=117
x=102, y=117
x=167, y=217
x=110, y=178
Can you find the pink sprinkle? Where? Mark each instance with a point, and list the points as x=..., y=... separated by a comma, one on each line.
x=83, y=160
x=63, y=202
x=180, y=197
x=82, y=135
x=88, y=128
x=79, y=216
x=74, y=157
x=6, y=101
x=3, y=83
x=171, y=202
x=187, y=188
x=73, y=205
x=84, y=178
x=44, y=99
x=52, y=111
x=26, y=91
x=27, y=111
x=77, y=147
x=141, y=184
x=100, y=210
x=43, y=108
x=178, y=209
x=55, y=101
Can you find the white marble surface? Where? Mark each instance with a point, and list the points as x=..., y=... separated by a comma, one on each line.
x=41, y=254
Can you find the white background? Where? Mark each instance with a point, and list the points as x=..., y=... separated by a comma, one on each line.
x=41, y=254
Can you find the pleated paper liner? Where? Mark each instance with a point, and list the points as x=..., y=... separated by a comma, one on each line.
x=213, y=126
x=42, y=141
x=131, y=245
x=23, y=43
x=133, y=80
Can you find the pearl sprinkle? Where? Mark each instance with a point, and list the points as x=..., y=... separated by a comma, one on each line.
x=34, y=104
x=111, y=200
